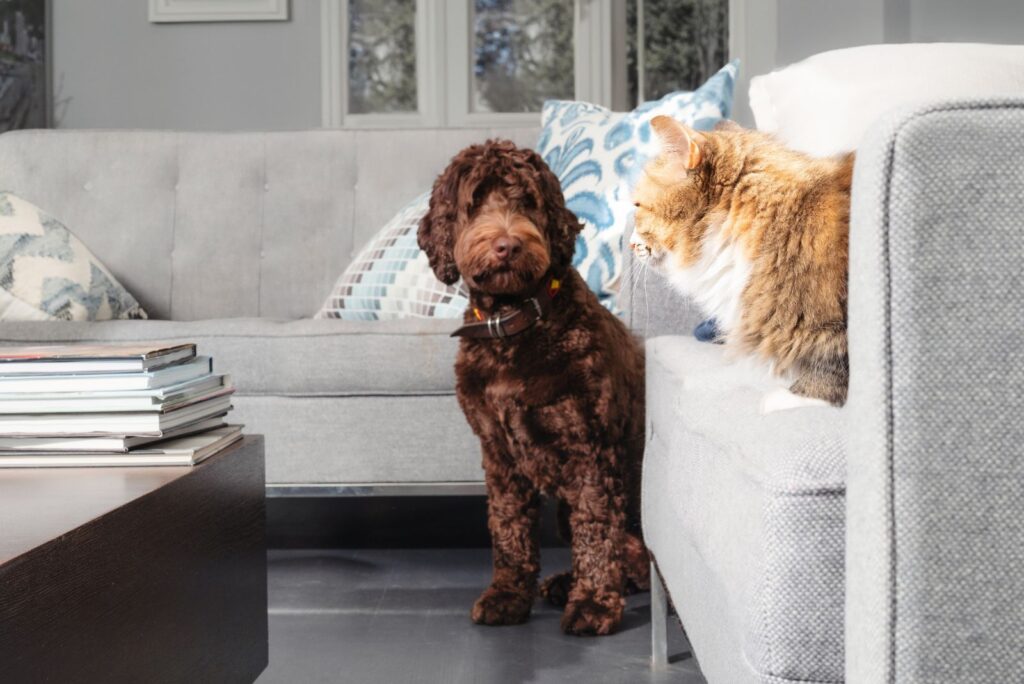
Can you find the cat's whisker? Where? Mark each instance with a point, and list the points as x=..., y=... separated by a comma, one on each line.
x=647, y=302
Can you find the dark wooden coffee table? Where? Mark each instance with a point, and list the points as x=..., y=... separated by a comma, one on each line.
x=135, y=574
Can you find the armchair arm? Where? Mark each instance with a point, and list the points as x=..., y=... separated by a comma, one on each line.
x=935, y=493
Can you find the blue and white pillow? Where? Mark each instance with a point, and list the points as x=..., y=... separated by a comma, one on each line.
x=391, y=277
x=597, y=155
x=47, y=274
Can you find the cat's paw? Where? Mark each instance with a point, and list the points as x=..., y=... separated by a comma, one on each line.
x=783, y=400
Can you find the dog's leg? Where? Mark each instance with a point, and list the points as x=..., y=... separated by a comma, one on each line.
x=598, y=521
x=638, y=564
x=555, y=588
x=512, y=511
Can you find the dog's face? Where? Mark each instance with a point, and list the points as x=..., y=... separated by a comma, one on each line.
x=502, y=248
x=497, y=218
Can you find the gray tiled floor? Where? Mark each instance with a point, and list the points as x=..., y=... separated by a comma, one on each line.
x=403, y=616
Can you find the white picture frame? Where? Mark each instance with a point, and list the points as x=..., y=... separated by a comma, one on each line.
x=179, y=11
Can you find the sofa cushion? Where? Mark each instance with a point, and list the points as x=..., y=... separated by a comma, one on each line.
x=825, y=104
x=391, y=277
x=744, y=514
x=47, y=274
x=302, y=358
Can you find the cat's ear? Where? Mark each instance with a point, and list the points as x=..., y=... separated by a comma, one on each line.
x=678, y=139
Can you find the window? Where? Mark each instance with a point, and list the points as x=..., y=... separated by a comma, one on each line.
x=495, y=62
x=381, y=74
x=522, y=54
x=674, y=45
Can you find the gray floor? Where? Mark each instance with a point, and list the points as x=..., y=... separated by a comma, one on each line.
x=397, y=616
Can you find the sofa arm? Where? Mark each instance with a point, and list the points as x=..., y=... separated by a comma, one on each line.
x=935, y=494
x=650, y=305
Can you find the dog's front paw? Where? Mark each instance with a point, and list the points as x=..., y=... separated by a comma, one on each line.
x=502, y=607
x=555, y=589
x=593, y=614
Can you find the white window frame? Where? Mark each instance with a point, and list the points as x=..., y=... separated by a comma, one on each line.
x=179, y=11
x=444, y=64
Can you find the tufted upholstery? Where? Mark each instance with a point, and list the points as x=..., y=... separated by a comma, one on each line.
x=218, y=225
x=233, y=236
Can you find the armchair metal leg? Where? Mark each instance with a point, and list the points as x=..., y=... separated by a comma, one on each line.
x=659, y=622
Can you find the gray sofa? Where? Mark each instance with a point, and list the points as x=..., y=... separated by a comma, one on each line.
x=881, y=542
x=234, y=240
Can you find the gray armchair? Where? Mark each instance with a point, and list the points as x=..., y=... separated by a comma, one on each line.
x=881, y=542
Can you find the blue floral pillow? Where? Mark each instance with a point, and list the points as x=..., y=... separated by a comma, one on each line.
x=597, y=154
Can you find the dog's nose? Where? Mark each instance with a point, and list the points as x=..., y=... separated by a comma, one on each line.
x=507, y=248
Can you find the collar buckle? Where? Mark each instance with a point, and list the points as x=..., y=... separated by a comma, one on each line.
x=537, y=307
x=494, y=326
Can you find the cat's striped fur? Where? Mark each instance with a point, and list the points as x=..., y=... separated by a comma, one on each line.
x=758, y=235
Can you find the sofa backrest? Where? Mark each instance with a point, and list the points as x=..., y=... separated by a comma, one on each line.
x=218, y=225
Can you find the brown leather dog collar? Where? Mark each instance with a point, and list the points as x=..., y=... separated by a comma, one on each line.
x=516, y=321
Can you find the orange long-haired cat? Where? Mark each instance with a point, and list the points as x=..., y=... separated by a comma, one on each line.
x=757, y=234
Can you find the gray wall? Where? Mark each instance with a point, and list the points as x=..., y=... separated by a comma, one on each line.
x=805, y=27
x=114, y=69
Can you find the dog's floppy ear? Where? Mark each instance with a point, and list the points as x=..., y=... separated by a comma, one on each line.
x=562, y=223
x=436, y=233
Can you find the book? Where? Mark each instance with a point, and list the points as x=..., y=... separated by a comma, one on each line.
x=140, y=424
x=181, y=451
x=89, y=358
x=160, y=399
x=108, y=382
x=108, y=444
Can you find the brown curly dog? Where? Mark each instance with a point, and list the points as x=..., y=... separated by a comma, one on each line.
x=550, y=381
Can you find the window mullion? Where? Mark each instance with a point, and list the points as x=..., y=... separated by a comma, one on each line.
x=601, y=53
x=457, y=75
x=430, y=61
x=332, y=72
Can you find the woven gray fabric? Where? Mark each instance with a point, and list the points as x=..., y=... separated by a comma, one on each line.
x=292, y=358
x=338, y=401
x=217, y=225
x=936, y=534
x=363, y=439
x=650, y=305
x=745, y=516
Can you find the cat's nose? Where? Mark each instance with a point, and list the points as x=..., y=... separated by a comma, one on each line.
x=634, y=240
x=507, y=248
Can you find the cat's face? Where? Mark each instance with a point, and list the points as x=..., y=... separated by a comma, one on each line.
x=671, y=196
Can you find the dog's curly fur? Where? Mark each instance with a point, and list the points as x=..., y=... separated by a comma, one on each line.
x=558, y=408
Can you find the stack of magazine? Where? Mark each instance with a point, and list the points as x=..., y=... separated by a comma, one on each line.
x=98, y=405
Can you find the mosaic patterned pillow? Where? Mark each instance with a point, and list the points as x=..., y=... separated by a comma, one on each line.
x=596, y=154
x=47, y=274
x=391, y=277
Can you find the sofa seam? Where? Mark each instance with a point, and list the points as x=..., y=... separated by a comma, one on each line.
x=353, y=395
x=238, y=336
x=174, y=223
x=263, y=218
